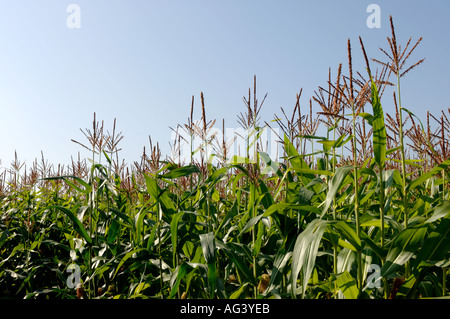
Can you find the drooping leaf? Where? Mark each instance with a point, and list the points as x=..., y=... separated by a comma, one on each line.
x=424, y=177
x=67, y=178
x=403, y=247
x=437, y=245
x=368, y=117
x=125, y=258
x=305, y=253
x=280, y=207
x=440, y=211
x=349, y=233
x=181, y=171
x=335, y=185
x=78, y=226
x=207, y=242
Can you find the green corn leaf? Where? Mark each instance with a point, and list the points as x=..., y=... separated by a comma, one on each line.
x=125, y=258
x=294, y=158
x=207, y=242
x=208, y=246
x=212, y=278
x=152, y=187
x=305, y=253
x=437, y=245
x=379, y=130
x=368, y=117
x=179, y=273
x=231, y=250
x=87, y=188
x=237, y=294
x=258, y=242
x=267, y=199
x=78, y=226
x=341, y=141
x=345, y=260
x=347, y=285
x=151, y=238
x=181, y=171
x=139, y=224
x=270, y=165
x=123, y=216
x=113, y=231
x=310, y=171
x=252, y=222
x=107, y=157
x=335, y=185
x=280, y=207
x=424, y=177
x=347, y=232
x=279, y=264
x=392, y=150
x=440, y=211
x=403, y=247
x=174, y=233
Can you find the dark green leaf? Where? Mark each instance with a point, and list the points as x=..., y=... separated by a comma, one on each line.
x=78, y=226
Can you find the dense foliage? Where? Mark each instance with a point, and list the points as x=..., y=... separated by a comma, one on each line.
x=359, y=217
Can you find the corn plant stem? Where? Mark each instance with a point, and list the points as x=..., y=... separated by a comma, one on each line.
x=91, y=226
x=382, y=208
x=334, y=209
x=192, y=163
x=443, y=185
x=159, y=250
x=254, y=264
x=402, y=151
x=444, y=281
x=358, y=227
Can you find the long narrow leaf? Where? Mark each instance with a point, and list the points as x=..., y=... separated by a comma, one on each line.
x=379, y=130
x=424, y=177
x=305, y=253
x=208, y=246
x=174, y=233
x=437, y=245
x=78, y=226
x=335, y=185
x=403, y=247
x=347, y=285
x=181, y=171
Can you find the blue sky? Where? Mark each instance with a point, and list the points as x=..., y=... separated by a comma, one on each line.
x=141, y=61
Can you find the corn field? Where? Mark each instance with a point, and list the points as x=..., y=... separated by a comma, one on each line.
x=360, y=212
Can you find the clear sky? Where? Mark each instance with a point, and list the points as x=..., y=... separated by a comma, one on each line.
x=141, y=61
